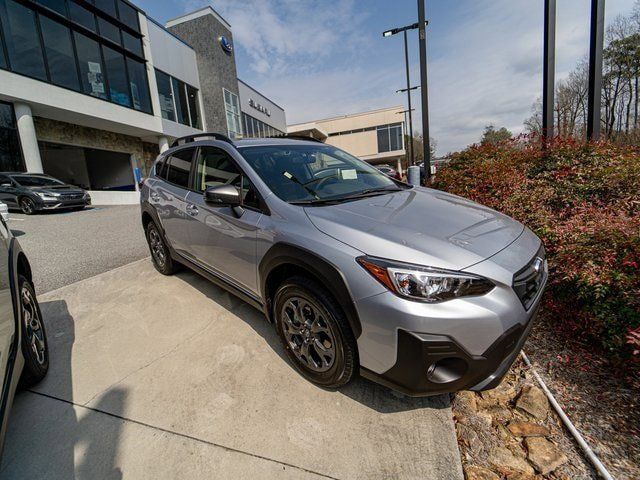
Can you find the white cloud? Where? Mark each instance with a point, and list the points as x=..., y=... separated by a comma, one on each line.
x=321, y=59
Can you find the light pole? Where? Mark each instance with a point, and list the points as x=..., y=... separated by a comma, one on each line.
x=409, y=110
x=549, y=60
x=405, y=112
x=595, y=69
x=389, y=33
x=422, y=41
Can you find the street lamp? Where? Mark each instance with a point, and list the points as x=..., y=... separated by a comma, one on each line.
x=389, y=33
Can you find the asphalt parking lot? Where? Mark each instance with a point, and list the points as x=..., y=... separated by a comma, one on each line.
x=171, y=377
x=64, y=247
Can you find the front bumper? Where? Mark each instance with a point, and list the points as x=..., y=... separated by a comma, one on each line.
x=60, y=204
x=435, y=364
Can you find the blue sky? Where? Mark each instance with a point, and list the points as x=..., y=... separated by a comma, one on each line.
x=320, y=58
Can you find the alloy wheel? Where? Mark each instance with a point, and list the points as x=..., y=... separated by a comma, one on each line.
x=308, y=334
x=33, y=326
x=26, y=205
x=157, y=247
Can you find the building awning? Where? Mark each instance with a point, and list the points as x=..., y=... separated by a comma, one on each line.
x=308, y=130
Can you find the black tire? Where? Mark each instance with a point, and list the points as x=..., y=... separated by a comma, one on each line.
x=160, y=254
x=27, y=206
x=35, y=348
x=325, y=322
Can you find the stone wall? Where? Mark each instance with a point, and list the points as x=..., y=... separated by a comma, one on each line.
x=69, y=134
x=216, y=68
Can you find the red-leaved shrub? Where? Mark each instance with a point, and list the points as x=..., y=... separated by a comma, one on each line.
x=583, y=200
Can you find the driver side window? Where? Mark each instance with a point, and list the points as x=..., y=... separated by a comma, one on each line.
x=215, y=167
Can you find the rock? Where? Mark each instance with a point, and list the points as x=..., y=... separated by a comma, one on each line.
x=474, y=472
x=520, y=476
x=469, y=437
x=467, y=399
x=506, y=462
x=528, y=429
x=501, y=414
x=500, y=395
x=485, y=419
x=544, y=455
x=533, y=401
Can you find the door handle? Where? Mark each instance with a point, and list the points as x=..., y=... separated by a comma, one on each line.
x=192, y=210
x=155, y=197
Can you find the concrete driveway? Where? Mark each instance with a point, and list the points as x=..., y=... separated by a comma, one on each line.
x=171, y=377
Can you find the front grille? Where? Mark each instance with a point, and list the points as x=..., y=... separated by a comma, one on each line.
x=71, y=196
x=528, y=281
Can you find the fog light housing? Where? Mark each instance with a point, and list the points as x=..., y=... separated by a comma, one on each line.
x=447, y=370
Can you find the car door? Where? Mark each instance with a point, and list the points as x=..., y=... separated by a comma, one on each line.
x=7, y=320
x=8, y=191
x=168, y=196
x=224, y=238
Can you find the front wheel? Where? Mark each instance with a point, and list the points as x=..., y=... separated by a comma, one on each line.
x=34, y=338
x=160, y=255
x=315, y=333
x=27, y=206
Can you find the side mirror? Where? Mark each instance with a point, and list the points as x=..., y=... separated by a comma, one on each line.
x=223, y=195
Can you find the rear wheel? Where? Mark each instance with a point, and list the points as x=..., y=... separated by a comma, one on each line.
x=160, y=255
x=315, y=333
x=27, y=206
x=34, y=338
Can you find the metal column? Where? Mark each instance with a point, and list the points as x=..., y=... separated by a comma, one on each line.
x=595, y=69
x=422, y=40
x=548, y=82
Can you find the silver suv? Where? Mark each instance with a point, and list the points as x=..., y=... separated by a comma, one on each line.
x=416, y=289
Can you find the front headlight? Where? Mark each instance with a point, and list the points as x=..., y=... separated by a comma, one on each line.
x=425, y=284
x=48, y=196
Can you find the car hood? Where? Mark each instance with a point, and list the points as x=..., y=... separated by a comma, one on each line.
x=420, y=226
x=57, y=189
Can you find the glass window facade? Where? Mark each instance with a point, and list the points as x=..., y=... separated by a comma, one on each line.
x=109, y=31
x=165, y=93
x=390, y=137
x=91, y=67
x=82, y=16
x=59, y=53
x=232, y=110
x=128, y=15
x=178, y=100
x=22, y=40
x=254, y=128
x=10, y=152
x=40, y=45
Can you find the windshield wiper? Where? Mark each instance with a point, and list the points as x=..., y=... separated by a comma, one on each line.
x=370, y=192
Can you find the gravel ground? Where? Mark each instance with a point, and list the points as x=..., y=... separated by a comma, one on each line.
x=600, y=401
x=64, y=247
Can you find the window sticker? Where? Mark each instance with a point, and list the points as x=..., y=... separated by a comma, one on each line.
x=349, y=174
x=287, y=174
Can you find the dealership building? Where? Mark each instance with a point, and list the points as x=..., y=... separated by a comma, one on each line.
x=92, y=90
x=375, y=136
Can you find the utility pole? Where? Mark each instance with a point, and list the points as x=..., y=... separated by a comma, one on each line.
x=406, y=62
x=595, y=69
x=422, y=40
x=548, y=87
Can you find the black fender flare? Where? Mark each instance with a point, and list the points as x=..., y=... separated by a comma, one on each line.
x=328, y=274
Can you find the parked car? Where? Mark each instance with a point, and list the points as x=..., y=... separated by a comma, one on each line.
x=24, y=355
x=417, y=289
x=387, y=170
x=33, y=192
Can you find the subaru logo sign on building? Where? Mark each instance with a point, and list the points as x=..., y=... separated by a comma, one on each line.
x=226, y=44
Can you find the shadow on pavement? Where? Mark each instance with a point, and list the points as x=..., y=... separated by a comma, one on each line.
x=369, y=394
x=50, y=438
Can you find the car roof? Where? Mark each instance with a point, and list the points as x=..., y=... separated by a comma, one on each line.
x=253, y=142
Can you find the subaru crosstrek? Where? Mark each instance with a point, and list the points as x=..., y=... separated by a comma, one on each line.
x=422, y=291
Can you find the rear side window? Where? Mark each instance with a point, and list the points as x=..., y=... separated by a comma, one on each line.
x=177, y=167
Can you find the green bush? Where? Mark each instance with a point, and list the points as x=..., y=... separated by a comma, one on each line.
x=583, y=200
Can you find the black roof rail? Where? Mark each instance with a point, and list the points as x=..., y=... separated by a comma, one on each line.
x=298, y=137
x=192, y=138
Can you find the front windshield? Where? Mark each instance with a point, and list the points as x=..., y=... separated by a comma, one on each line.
x=35, y=181
x=314, y=173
